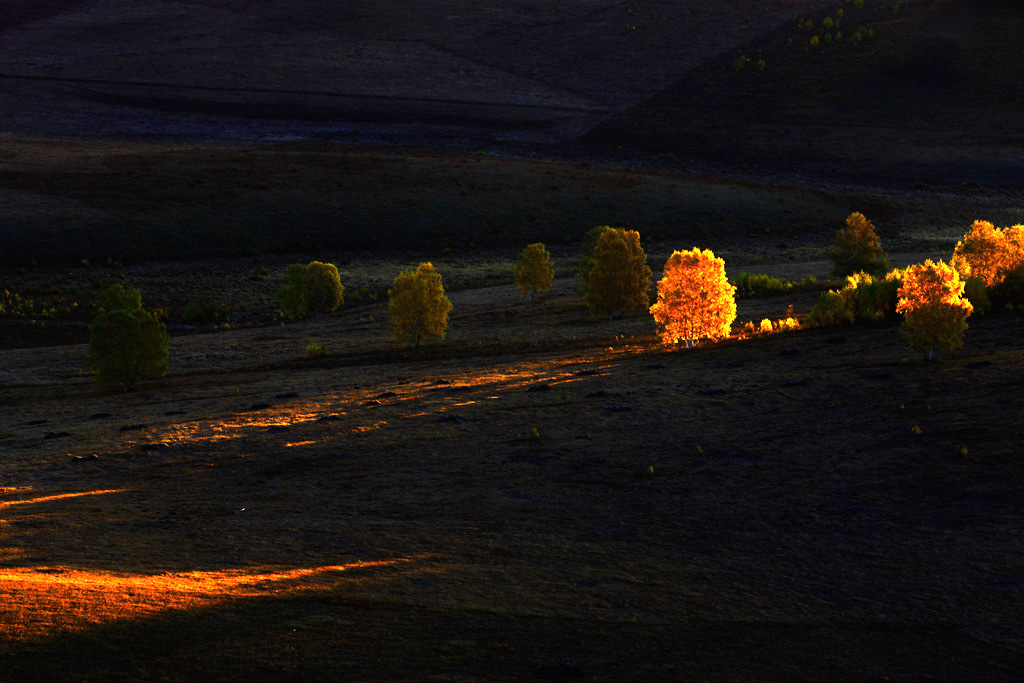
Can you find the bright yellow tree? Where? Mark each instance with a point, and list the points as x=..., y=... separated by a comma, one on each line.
x=534, y=272
x=935, y=312
x=417, y=305
x=982, y=253
x=619, y=276
x=695, y=299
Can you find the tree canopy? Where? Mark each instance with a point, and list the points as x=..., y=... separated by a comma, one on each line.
x=534, y=272
x=619, y=277
x=695, y=299
x=126, y=346
x=314, y=288
x=119, y=298
x=417, y=305
x=935, y=312
x=858, y=248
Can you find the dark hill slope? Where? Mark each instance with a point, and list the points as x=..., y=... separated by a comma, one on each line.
x=935, y=96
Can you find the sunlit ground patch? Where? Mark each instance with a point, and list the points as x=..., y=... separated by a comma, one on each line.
x=38, y=601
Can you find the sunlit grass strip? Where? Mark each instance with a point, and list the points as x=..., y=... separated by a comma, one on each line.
x=59, y=496
x=38, y=601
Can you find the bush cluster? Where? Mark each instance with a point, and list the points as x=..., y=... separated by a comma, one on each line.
x=864, y=299
x=759, y=284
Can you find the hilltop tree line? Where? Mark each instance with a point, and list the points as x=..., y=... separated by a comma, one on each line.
x=693, y=301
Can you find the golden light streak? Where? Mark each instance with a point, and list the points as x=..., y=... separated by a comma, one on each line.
x=296, y=444
x=59, y=496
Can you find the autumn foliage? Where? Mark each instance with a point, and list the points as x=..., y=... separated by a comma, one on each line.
x=857, y=248
x=534, y=272
x=935, y=312
x=989, y=253
x=619, y=276
x=695, y=299
x=417, y=305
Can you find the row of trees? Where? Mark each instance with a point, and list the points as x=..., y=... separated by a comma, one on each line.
x=694, y=298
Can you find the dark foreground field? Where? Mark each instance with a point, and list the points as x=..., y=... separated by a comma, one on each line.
x=539, y=494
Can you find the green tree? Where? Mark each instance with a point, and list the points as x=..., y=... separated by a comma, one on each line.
x=314, y=288
x=417, y=305
x=619, y=277
x=584, y=263
x=534, y=272
x=118, y=298
x=857, y=248
x=126, y=346
x=292, y=295
x=323, y=289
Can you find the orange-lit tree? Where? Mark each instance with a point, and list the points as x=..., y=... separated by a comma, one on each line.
x=935, y=312
x=534, y=272
x=982, y=253
x=417, y=305
x=695, y=299
x=857, y=248
x=619, y=277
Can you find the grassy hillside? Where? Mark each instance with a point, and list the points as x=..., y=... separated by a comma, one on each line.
x=933, y=97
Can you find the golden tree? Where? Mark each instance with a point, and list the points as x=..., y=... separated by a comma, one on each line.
x=619, y=276
x=982, y=253
x=417, y=305
x=935, y=312
x=534, y=272
x=695, y=299
x=857, y=248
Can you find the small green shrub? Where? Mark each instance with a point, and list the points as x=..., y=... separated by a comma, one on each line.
x=204, y=313
x=831, y=309
x=317, y=351
x=118, y=298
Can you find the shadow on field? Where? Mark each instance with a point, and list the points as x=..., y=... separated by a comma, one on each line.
x=329, y=637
